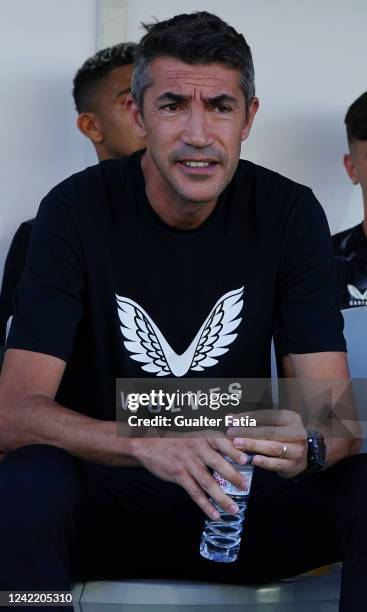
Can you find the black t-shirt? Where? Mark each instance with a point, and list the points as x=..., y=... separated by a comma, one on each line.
x=13, y=268
x=350, y=248
x=199, y=302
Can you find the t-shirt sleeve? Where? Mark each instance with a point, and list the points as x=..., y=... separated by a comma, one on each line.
x=48, y=302
x=308, y=318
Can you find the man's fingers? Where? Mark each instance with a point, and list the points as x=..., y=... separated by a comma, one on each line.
x=225, y=446
x=271, y=448
x=198, y=496
x=270, y=425
x=207, y=483
x=292, y=432
x=225, y=469
x=265, y=433
x=272, y=464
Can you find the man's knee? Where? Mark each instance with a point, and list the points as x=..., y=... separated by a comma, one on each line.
x=354, y=466
x=349, y=477
x=38, y=483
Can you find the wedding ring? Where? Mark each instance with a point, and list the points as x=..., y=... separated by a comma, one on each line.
x=283, y=453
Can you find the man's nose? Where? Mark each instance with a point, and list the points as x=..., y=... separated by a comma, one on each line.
x=197, y=132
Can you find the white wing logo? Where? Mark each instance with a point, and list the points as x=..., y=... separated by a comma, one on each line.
x=146, y=343
x=356, y=294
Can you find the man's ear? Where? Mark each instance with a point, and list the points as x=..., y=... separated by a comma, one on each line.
x=250, y=116
x=350, y=168
x=89, y=125
x=129, y=102
x=137, y=119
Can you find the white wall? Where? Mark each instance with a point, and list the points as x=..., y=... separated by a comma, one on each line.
x=42, y=44
x=310, y=63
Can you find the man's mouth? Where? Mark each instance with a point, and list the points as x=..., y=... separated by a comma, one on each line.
x=197, y=164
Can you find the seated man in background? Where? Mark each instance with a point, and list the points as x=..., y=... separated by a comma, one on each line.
x=102, y=96
x=351, y=245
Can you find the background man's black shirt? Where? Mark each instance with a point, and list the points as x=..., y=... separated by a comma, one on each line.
x=350, y=248
x=96, y=236
x=13, y=269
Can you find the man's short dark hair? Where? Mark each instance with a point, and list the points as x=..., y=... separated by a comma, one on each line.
x=195, y=38
x=89, y=77
x=356, y=119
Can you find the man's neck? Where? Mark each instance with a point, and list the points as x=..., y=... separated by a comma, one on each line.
x=168, y=205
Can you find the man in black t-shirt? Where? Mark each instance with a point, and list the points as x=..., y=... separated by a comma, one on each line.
x=350, y=245
x=102, y=96
x=174, y=262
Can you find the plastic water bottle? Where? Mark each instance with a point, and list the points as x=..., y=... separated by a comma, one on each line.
x=221, y=538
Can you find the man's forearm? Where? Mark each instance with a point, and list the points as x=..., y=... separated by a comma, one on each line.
x=337, y=449
x=39, y=420
x=328, y=399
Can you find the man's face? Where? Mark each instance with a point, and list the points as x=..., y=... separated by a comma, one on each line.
x=356, y=164
x=113, y=111
x=194, y=119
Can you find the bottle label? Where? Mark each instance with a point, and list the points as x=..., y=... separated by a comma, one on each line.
x=229, y=488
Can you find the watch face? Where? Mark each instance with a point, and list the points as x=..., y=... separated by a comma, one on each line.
x=316, y=455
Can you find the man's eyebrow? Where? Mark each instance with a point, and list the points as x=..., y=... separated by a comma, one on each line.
x=123, y=92
x=169, y=95
x=221, y=99
x=214, y=101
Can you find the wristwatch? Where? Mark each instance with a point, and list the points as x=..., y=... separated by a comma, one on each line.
x=316, y=453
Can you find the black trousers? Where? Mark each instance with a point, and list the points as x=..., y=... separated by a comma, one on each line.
x=64, y=520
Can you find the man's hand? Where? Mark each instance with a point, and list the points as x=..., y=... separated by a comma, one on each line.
x=279, y=441
x=185, y=461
